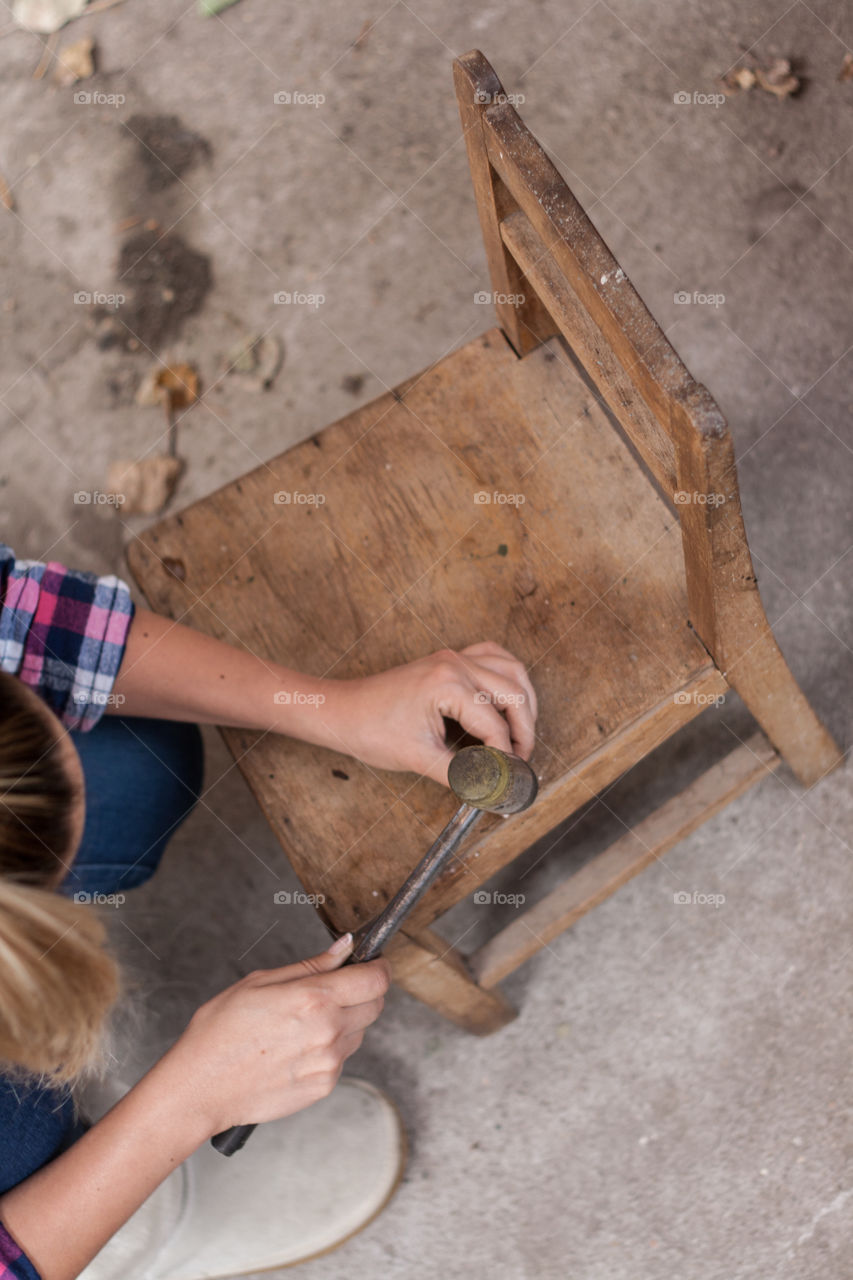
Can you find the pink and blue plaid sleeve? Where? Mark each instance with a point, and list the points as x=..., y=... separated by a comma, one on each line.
x=64, y=633
x=14, y=1264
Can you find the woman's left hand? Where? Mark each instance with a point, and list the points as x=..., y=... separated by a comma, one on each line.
x=395, y=719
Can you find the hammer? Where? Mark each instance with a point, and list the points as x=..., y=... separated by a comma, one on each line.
x=486, y=780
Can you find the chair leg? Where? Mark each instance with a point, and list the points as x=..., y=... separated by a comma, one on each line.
x=427, y=968
x=763, y=680
x=724, y=602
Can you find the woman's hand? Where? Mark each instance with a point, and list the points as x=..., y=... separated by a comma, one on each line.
x=266, y=1047
x=276, y=1041
x=394, y=720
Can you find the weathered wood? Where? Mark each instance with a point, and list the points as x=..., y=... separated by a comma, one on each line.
x=601, y=287
x=725, y=605
x=583, y=580
x=491, y=497
x=626, y=858
x=595, y=353
x=627, y=355
x=525, y=322
x=434, y=972
x=494, y=846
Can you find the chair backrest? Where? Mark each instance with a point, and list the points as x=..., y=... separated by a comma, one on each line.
x=552, y=273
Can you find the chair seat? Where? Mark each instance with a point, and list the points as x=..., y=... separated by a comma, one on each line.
x=490, y=497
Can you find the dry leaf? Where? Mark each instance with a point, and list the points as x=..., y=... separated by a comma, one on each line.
x=739, y=78
x=209, y=8
x=846, y=72
x=180, y=382
x=75, y=62
x=173, y=386
x=254, y=362
x=46, y=16
x=361, y=39
x=777, y=78
x=144, y=486
x=6, y=198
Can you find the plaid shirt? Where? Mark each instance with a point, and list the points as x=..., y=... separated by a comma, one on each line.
x=14, y=1264
x=63, y=632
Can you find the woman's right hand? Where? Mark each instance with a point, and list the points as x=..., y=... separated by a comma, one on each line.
x=276, y=1041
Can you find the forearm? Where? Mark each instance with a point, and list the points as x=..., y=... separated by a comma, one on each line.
x=177, y=673
x=63, y=1214
x=392, y=719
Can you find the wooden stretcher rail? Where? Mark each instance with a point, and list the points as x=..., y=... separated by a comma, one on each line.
x=628, y=856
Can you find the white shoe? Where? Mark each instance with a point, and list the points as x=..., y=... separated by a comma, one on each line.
x=300, y=1187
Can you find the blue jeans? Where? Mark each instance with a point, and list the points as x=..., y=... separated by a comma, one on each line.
x=143, y=778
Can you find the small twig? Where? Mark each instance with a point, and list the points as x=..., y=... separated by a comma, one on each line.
x=6, y=198
x=46, y=54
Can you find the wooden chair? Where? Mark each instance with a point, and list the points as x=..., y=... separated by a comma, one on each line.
x=616, y=566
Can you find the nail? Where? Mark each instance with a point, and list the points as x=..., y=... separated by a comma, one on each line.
x=340, y=944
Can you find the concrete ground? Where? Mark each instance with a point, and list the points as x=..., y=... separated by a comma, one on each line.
x=674, y=1098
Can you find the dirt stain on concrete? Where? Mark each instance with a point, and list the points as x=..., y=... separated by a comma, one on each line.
x=166, y=149
x=165, y=281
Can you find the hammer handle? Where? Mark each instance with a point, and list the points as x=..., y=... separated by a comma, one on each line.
x=370, y=940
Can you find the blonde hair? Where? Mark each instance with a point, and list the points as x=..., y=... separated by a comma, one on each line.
x=58, y=981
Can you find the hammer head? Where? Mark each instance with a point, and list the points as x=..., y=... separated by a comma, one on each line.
x=486, y=778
